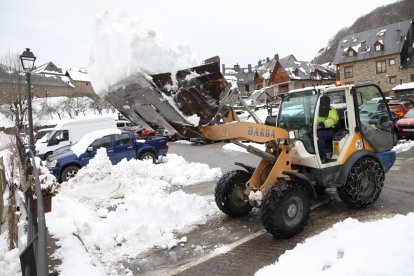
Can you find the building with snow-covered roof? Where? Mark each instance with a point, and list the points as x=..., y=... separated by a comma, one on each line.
x=279, y=76
x=47, y=80
x=80, y=79
x=242, y=76
x=383, y=56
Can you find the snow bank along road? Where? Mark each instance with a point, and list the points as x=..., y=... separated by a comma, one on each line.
x=240, y=246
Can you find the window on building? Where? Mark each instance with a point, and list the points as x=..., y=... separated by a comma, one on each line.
x=87, y=83
x=378, y=46
x=393, y=80
x=381, y=67
x=246, y=88
x=303, y=85
x=392, y=61
x=296, y=72
x=412, y=77
x=351, y=53
x=348, y=72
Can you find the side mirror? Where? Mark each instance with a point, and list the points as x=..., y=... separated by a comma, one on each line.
x=89, y=149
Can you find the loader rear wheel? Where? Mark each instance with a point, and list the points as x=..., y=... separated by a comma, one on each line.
x=364, y=183
x=285, y=209
x=229, y=194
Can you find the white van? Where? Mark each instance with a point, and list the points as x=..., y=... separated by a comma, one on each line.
x=69, y=132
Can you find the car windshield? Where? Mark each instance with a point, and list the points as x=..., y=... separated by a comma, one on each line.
x=371, y=107
x=297, y=113
x=409, y=114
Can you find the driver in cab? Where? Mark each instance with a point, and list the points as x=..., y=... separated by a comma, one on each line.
x=327, y=119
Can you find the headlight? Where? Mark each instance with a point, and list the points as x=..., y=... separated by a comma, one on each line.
x=51, y=163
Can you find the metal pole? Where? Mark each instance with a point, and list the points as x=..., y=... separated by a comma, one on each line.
x=42, y=261
x=29, y=113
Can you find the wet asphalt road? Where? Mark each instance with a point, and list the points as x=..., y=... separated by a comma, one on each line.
x=251, y=247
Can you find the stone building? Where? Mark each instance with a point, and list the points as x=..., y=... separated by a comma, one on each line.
x=242, y=76
x=48, y=80
x=383, y=56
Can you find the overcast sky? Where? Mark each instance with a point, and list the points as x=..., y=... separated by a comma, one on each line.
x=239, y=31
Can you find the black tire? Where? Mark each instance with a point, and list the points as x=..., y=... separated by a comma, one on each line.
x=364, y=183
x=285, y=209
x=69, y=172
x=229, y=195
x=148, y=156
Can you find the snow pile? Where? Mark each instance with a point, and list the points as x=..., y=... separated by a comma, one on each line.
x=122, y=46
x=8, y=263
x=403, y=147
x=383, y=247
x=119, y=211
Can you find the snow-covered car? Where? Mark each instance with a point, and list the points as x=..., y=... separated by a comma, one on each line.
x=119, y=145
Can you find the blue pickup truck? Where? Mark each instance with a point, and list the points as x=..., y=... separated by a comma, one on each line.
x=119, y=145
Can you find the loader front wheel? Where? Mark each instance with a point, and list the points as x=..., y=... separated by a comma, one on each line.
x=364, y=183
x=285, y=209
x=229, y=194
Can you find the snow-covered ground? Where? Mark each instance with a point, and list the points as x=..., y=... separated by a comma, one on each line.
x=382, y=247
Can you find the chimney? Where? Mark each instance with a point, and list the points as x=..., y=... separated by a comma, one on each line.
x=277, y=57
x=267, y=59
x=249, y=68
x=237, y=67
x=259, y=63
x=223, y=68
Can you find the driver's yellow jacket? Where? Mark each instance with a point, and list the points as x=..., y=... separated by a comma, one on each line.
x=331, y=120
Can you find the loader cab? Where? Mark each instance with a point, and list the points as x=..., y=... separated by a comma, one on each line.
x=355, y=129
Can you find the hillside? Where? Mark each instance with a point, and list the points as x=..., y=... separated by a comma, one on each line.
x=381, y=16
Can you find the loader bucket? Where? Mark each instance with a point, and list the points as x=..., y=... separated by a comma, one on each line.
x=157, y=101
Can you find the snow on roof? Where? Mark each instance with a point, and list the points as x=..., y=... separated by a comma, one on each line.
x=79, y=75
x=81, y=146
x=123, y=47
x=88, y=118
x=404, y=86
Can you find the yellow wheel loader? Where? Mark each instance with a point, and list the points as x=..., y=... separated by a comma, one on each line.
x=291, y=172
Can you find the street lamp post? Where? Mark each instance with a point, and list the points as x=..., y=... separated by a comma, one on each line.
x=28, y=59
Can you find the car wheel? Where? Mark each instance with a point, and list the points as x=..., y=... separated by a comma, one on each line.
x=148, y=156
x=285, y=209
x=364, y=183
x=69, y=172
x=229, y=193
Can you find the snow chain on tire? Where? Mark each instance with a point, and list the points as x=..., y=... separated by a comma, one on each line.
x=276, y=210
x=364, y=183
x=229, y=193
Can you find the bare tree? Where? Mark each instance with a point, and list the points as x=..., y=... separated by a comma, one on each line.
x=13, y=91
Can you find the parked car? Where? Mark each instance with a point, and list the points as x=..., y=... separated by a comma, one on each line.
x=69, y=132
x=41, y=133
x=400, y=108
x=405, y=125
x=119, y=145
x=125, y=125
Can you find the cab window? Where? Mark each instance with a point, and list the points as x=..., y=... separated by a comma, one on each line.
x=122, y=139
x=104, y=142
